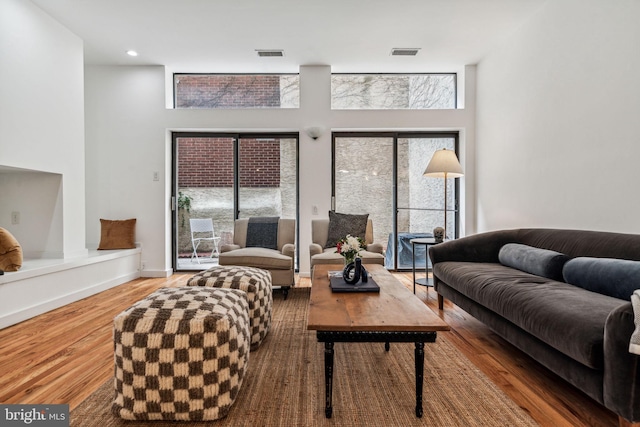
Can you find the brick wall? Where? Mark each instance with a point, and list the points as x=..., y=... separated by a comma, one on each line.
x=208, y=162
x=227, y=91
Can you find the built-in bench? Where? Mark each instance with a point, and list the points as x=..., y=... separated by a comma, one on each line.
x=42, y=285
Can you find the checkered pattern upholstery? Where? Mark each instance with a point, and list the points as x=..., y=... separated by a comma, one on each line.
x=255, y=282
x=181, y=354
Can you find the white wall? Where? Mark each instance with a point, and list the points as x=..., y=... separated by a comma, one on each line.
x=128, y=137
x=41, y=127
x=558, y=129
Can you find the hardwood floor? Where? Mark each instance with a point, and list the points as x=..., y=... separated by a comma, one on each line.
x=64, y=355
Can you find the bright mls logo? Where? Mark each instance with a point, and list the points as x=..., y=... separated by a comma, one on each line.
x=34, y=415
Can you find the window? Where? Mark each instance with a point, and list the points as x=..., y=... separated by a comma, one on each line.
x=393, y=91
x=236, y=91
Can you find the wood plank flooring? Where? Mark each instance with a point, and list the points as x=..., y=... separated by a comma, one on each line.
x=64, y=355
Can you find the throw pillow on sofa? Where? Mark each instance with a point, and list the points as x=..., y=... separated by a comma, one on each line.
x=541, y=262
x=616, y=278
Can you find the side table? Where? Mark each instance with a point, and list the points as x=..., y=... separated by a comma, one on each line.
x=424, y=281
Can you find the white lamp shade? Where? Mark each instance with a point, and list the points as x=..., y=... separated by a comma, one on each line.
x=444, y=164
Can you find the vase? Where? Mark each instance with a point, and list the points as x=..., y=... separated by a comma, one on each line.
x=354, y=272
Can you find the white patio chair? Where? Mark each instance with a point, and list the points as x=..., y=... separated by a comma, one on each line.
x=202, y=231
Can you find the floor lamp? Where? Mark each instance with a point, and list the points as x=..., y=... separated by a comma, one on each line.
x=444, y=164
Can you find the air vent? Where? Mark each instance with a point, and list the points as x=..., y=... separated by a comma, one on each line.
x=404, y=51
x=270, y=52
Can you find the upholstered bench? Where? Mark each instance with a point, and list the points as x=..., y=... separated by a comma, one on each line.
x=181, y=354
x=255, y=282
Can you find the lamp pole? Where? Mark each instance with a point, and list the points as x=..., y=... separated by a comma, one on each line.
x=445, y=206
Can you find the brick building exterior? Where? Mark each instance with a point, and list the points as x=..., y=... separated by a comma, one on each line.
x=227, y=91
x=208, y=162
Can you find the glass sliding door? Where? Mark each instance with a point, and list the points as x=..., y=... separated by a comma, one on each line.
x=363, y=180
x=421, y=199
x=382, y=174
x=228, y=176
x=267, y=173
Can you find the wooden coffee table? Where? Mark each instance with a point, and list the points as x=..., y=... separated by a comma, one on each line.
x=393, y=315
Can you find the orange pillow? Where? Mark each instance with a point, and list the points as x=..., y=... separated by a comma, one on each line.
x=117, y=234
x=10, y=252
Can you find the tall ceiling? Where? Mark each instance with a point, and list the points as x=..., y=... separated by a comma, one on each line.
x=222, y=36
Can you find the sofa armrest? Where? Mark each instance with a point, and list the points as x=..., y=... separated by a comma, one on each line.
x=483, y=247
x=375, y=247
x=315, y=249
x=621, y=386
x=229, y=247
x=289, y=250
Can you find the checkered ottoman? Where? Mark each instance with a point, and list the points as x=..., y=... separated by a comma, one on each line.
x=255, y=282
x=181, y=354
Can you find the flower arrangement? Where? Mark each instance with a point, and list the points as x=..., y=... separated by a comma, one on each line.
x=350, y=248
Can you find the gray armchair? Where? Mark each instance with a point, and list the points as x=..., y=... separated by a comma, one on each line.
x=320, y=255
x=279, y=262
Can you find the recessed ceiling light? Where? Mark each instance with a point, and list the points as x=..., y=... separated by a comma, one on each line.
x=270, y=52
x=405, y=51
x=132, y=53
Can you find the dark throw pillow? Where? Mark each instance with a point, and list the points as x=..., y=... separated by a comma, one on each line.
x=616, y=278
x=117, y=234
x=342, y=224
x=541, y=262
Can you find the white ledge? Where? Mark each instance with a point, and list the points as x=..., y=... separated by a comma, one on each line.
x=46, y=284
x=38, y=267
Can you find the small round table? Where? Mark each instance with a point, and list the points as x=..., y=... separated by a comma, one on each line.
x=424, y=281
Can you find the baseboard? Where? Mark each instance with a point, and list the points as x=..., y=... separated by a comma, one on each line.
x=156, y=273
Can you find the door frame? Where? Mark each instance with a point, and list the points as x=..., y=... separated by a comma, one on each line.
x=236, y=136
x=395, y=136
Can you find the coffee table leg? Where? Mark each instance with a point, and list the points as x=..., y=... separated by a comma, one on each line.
x=328, y=377
x=419, y=377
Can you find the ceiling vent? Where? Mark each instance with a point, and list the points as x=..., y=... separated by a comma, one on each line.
x=404, y=51
x=270, y=52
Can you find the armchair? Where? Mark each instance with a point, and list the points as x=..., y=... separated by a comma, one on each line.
x=279, y=262
x=320, y=255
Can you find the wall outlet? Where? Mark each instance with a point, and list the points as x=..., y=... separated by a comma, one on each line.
x=156, y=176
x=314, y=210
x=15, y=218
x=143, y=264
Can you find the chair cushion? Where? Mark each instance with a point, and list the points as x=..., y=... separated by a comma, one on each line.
x=257, y=257
x=329, y=256
x=342, y=224
x=10, y=251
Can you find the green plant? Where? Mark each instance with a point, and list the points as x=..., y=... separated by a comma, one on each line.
x=184, y=202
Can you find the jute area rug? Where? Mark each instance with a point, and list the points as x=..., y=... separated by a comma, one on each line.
x=284, y=384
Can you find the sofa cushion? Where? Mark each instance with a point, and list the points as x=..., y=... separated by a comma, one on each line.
x=342, y=224
x=617, y=278
x=541, y=262
x=549, y=310
x=268, y=259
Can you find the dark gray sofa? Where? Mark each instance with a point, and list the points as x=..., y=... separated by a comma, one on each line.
x=582, y=336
